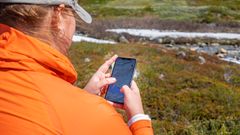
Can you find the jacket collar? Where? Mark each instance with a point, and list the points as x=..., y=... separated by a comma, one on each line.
x=19, y=51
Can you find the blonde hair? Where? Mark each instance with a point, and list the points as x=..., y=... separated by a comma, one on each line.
x=30, y=19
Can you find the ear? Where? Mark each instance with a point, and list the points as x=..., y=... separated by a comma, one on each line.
x=57, y=16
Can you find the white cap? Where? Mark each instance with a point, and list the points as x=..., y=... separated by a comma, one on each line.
x=83, y=14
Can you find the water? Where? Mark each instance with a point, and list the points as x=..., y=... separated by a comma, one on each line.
x=82, y=38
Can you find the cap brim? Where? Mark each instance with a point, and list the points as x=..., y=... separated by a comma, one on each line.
x=83, y=14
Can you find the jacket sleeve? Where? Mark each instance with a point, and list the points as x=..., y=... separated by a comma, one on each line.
x=142, y=127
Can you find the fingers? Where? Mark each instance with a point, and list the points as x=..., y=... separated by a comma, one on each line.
x=134, y=86
x=106, y=81
x=111, y=60
x=107, y=75
x=107, y=64
x=103, y=75
x=125, y=90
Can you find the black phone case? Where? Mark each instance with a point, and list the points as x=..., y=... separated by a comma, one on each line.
x=127, y=84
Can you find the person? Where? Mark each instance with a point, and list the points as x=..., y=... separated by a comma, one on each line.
x=37, y=95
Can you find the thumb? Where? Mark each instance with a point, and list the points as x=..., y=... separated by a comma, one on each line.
x=125, y=90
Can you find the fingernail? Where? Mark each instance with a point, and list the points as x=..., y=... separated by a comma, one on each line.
x=122, y=90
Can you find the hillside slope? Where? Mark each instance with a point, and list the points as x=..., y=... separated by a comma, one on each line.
x=191, y=10
x=181, y=95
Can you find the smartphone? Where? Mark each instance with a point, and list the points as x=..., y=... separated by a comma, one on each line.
x=123, y=71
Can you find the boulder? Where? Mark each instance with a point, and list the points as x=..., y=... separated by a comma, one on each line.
x=181, y=54
x=220, y=55
x=202, y=60
x=159, y=40
x=223, y=51
x=123, y=39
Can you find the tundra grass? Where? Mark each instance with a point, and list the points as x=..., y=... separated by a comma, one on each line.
x=207, y=11
x=181, y=95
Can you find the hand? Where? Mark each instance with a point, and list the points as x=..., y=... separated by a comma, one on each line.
x=101, y=79
x=132, y=100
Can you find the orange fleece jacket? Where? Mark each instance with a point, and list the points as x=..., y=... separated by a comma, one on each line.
x=37, y=95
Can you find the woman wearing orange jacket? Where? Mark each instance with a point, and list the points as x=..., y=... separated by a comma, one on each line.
x=37, y=95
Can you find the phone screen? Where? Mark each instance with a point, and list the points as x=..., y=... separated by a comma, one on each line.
x=123, y=71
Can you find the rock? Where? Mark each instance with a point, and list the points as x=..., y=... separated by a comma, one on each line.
x=215, y=44
x=123, y=39
x=188, y=44
x=161, y=77
x=222, y=50
x=169, y=45
x=136, y=74
x=182, y=47
x=202, y=44
x=181, y=54
x=142, y=40
x=212, y=50
x=87, y=60
x=160, y=40
x=172, y=42
x=220, y=55
x=193, y=49
x=202, y=60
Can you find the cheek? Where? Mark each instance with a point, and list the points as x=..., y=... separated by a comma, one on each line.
x=70, y=26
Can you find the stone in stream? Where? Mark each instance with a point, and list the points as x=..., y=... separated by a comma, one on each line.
x=223, y=51
x=220, y=55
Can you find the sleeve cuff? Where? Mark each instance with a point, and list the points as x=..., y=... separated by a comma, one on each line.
x=138, y=117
